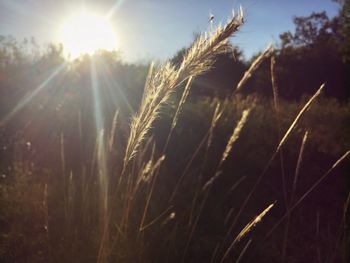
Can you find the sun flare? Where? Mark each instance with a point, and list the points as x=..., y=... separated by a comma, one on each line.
x=85, y=33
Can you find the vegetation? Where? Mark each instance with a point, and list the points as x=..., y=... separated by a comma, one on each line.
x=215, y=160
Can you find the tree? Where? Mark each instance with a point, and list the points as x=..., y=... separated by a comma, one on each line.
x=314, y=53
x=344, y=21
x=312, y=30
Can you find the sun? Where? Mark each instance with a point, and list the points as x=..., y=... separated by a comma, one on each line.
x=85, y=33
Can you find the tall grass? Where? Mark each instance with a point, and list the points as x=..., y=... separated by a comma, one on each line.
x=118, y=207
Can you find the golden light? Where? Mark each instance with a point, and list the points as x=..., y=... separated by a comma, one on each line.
x=85, y=33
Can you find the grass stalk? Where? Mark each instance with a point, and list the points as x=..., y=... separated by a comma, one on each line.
x=281, y=143
x=246, y=230
x=253, y=67
x=309, y=191
x=295, y=180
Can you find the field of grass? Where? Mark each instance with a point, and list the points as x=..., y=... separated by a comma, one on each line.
x=91, y=172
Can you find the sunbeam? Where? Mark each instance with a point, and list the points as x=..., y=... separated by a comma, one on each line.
x=114, y=8
x=96, y=97
x=99, y=123
x=29, y=97
x=101, y=158
x=113, y=85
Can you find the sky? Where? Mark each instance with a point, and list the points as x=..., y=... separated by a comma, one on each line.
x=157, y=29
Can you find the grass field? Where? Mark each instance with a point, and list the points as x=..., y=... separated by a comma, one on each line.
x=94, y=173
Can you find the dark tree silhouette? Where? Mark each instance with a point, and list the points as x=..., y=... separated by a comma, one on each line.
x=314, y=53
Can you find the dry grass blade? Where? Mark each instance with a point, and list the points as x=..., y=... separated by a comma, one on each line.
x=281, y=159
x=216, y=116
x=178, y=111
x=214, y=253
x=254, y=66
x=235, y=135
x=63, y=167
x=150, y=168
x=317, y=183
x=297, y=169
x=162, y=82
x=296, y=175
x=243, y=251
x=228, y=216
x=345, y=235
x=247, y=229
x=274, y=83
x=112, y=134
x=182, y=102
x=154, y=168
x=149, y=77
x=278, y=116
x=304, y=109
x=201, y=56
x=283, y=140
x=233, y=138
x=214, y=121
x=277, y=110
x=171, y=215
x=253, y=223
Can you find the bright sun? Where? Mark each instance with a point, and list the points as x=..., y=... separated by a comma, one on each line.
x=85, y=33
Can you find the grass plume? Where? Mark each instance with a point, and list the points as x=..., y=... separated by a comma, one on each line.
x=167, y=77
x=247, y=229
x=256, y=63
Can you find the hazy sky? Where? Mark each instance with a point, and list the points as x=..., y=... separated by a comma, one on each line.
x=156, y=29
